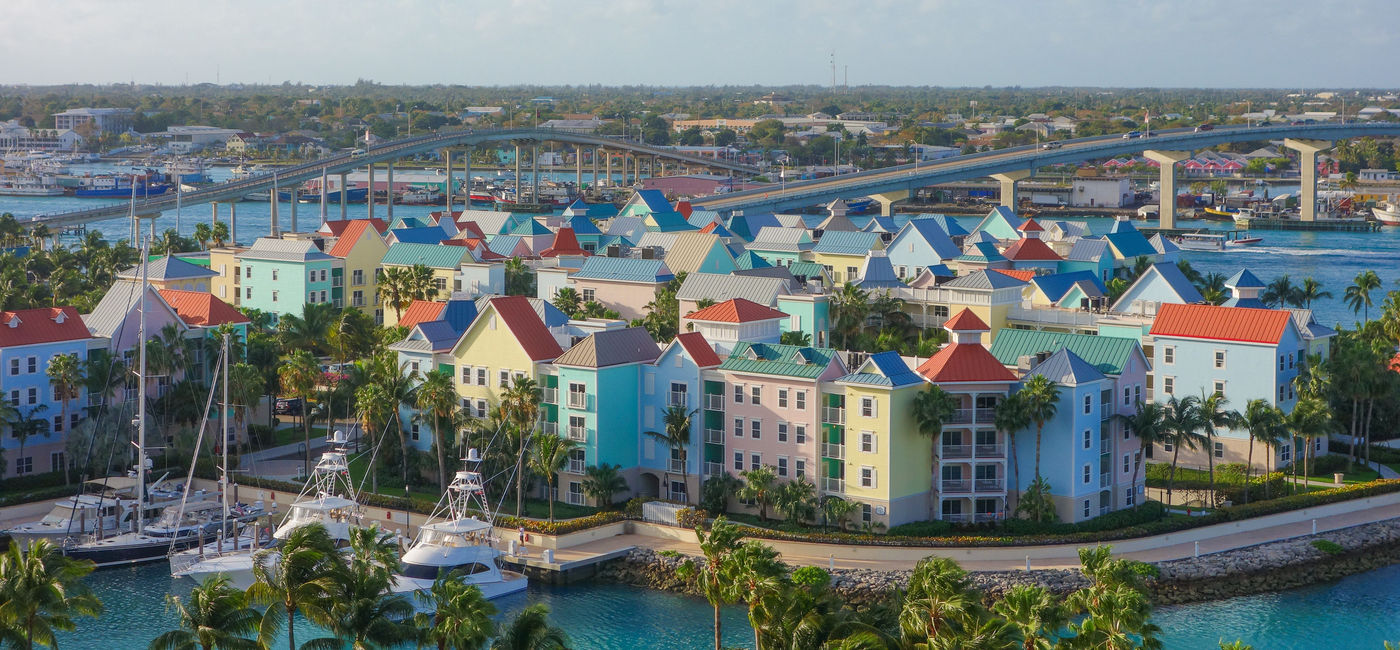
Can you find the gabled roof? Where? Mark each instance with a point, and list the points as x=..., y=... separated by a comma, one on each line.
x=1308, y=326
x=430, y=255
x=980, y=252
x=611, y=348
x=837, y=222
x=762, y=290
x=690, y=251
x=1087, y=250
x=629, y=227
x=595, y=210
x=1030, y=249
x=421, y=311
x=1246, y=280
x=422, y=235
x=201, y=308
x=468, y=230
x=657, y=239
x=1130, y=244
x=622, y=269
x=530, y=228
x=1163, y=245
x=41, y=325
x=565, y=243
x=1241, y=324
x=336, y=227
x=168, y=268
x=964, y=363
x=983, y=280
x=1161, y=276
x=351, y=235
x=880, y=224
x=698, y=349
x=949, y=225
x=668, y=222
x=736, y=310
x=1110, y=354
x=283, y=250
x=1001, y=223
x=838, y=242
x=1056, y=285
x=748, y=260
x=1066, y=368
x=716, y=228
x=877, y=273
x=120, y=300
x=702, y=218
x=965, y=321
x=525, y=324
x=584, y=226
x=410, y=223
x=931, y=234
x=439, y=334
x=781, y=360
x=647, y=202
x=748, y=226
x=1023, y=275
x=1031, y=226
x=507, y=245
x=491, y=222
x=775, y=238
x=884, y=369
x=807, y=269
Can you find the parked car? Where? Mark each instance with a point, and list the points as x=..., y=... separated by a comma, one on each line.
x=1132, y=134
x=285, y=406
x=1050, y=145
x=1204, y=127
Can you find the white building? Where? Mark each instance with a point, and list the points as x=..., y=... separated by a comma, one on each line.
x=1101, y=192
x=187, y=139
x=14, y=137
x=103, y=120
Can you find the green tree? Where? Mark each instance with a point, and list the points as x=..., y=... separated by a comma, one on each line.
x=461, y=618
x=568, y=301
x=530, y=630
x=1215, y=416
x=796, y=337
x=219, y=233
x=601, y=482
x=1040, y=397
x=436, y=397
x=1310, y=291
x=1358, y=294
x=549, y=456
x=364, y=610
x=713, y=577
x=1183, y=423
x=65, y=374
x=1148, y=425
x=760, y=484
x=1036, y=615
x=520, y=279
x=308, y=331
x=676, y=437
x=850, y=307
x=300, y=376
x=298, y=580
x=756, y=574
x=1282, y=293
x=521, y=405
x=216, y=615
x=1264, y=423
x=202, y=234
x=797, y=500
x=393, y=288
x=938, y=600
x=42, y=592
x=933, y=407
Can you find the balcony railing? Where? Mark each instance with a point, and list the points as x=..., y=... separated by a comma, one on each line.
x=988, y=485
x=833, y=450
x=957, y=517
x=955, y=451
x=833, y=415
x=959, y=416
x=578, y=400
x=955, y=486
x=982, y=517
x=573, y=498
x=578, y=433
x=990, y=451
x=714, y=402
x=675, y=465
x=549, y=395
x=986, y=415
x=677, y=398
x=834, y=485
x=576, y=466
x=1105, y=479
x=714, y=469
x=714, y=436
x=550, y=428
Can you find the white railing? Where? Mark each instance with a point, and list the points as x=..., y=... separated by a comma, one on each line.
x=959, y=416
x=989, y=451
x=1105, y=479
x=832, y=450
x=834, y=485
x=714, y=469
x=988, y=485
x=714, y=436
x=677, y=398
x=1054, y=316
x=549, y=395
x=988, y=516
x=573, y=498
x=955, y=451
x=833, y=415
x=579, y=400
x=986, y=415
x=576, y=466
x=714, y=402
x=550, y=428
x=955, y=486
x=578, y=433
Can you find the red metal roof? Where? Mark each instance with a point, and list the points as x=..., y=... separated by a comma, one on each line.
x=470, y=227
x=965, y=321
x=201, y=309
x=1031, y=226
x=1028, y=249
x=565, y=243
x=699, y=349
x=1244, y=324
x=338, y=226
x=964, y=362
x=520, y=316
x=710, y=227
x=421, y=311
x=736, y=310
x=684, y=208
x=348, y=237
x=41, y=326
x=1023, y=275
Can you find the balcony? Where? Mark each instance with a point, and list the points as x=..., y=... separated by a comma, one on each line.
x=579, y=401
x=956, y=518
x=832, y=450
x=578, y=433
x=989, y=451
x=983, y=517
x=986, y=416
x=959, y=416
x=714, y=469
x=676, y=465
x=714, y=436
x=1105, y=479
x=988, y=485
x=955, y=486
x=955, y=451
x=575, y=466
x=677, y=398
x=550, y=428
x=357, y=301
x=833, y=415
x=834, y=485
x=337, y=281
x=714, y=402
x=549, y=395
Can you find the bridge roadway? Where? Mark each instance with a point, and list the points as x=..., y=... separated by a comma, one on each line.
x=907, y=178
x=388, y=151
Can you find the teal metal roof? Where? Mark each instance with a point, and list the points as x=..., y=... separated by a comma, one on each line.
x=430, y=255
x=1108, y=354
x=839, y=242
x=624, y=269
x=781, y=360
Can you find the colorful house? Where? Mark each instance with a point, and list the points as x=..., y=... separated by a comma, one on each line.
x=1030, y=253
x=843, y=252
x=622, y=284
x=677, y=378
x=920, y=243
x=1090, y=255
x=281, y=275
x=443, y=261
x=761, y=289
x=727, y=323
x=29, y=340
x=362, y=249
x=173, y=273
x=781, y=246
x=697, y=252
x=1000, y=223
x=885, y=458
x=508, y=339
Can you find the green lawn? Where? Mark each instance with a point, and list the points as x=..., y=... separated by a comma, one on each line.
x=291, y=436
x=534, y=508
x=1358, y=474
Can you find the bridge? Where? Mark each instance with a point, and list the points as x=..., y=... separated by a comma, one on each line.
x=389, y=152
x=1007, y=166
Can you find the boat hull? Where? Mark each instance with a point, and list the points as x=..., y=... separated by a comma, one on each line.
x=122, y=193
x=1387, y=217
x=119, y=554
x=511, y=583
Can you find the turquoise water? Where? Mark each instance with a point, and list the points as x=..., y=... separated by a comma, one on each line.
x=1352, y=613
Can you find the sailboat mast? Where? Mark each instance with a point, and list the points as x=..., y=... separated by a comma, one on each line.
x=223, y=429
x=141, y=395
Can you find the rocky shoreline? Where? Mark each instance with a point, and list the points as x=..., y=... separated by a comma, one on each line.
x=1257, y=569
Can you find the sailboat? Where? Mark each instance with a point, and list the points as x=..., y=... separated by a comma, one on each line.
x=459, y=541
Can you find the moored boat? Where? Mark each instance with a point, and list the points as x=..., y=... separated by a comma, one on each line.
x=1195, y=241
x=1387, y=213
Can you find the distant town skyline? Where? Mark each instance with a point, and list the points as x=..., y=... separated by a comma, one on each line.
x=1321, y=44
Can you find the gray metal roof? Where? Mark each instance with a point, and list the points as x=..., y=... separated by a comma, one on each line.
x=168, y=268
x=983, y=280
x=611, y=348
x=284, y=250
x=1065, y=367
x=121, y=299
x=1087, y=250
x=792, y=240
x=663, y=240
x=623, y=269
x=719, y=288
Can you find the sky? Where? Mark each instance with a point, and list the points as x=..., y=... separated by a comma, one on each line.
x=1138, y=43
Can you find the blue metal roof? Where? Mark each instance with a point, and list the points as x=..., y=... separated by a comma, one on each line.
x=428, y=235
x=840, y=242
x=654, y=200
x=1253, y=303
x=668, y=222
x=1067, y=368
x=880, y=224
x=947, y=223
x=1130, y=243
x=1122, y=225
x=504, y=244
x=894, y=369
x=748, y=225
x=877, y=273
x=982, y=252
x=935, y=237
x=459, y=313
x=750, y=260
x=584, y=226
x=1246, y=280
x=941, y=271
x=1055, y=286
x=624, y=270
x=530, y=227
x=440, y=334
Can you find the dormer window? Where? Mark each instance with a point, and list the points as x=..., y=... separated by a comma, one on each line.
x=13, y=322
x=60, y=318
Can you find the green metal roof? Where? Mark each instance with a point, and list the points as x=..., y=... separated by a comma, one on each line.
x=775, y=359
x=1109, y=354
x=430, y=255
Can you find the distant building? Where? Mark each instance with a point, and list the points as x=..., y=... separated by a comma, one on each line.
x=103, y=120
x=1101, y=192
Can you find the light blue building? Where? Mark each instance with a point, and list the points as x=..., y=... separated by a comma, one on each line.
x=919, y=244
x=675, y=379
x=29, y=341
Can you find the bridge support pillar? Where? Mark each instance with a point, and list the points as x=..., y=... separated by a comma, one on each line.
x=578, y=169
x=535, y=174
x=1166, y=196
x=325, y=178
x=214, y=218
x=233, y=223
x=369, y=197
x=517, y=174
x=1008, y=185
x=447, y=158
x=888, y=199
x=344, y=197
x=292, y=192
x=608, y=156
x=274, y=200
x=467, y=174
x=637, y=161
x=389, y=196
x=1307, y=168
x=594, y=186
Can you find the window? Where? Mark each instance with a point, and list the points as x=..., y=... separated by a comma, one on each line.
x=782, y=466
x=679, y=395
x=413, y=366
x=24, y=465
x=755, y=461
x=32, y=363
x=800, y=468
x=1219, y=387
x=867, y=442
x=1088, y=404
x=852, y=272
x=1290, y=359
x=867, y=476
x=753, y=395
x=248, y=293
x=1285, y=453
x=738, y=394
x=248, y=271
x=1137, y=393
x=756, y=428
x=589, y=295
x=1127, y=396
x=1169, y=355
x=1129, y=497
x=578, y=395
x=782, y=432
x=56, y=461
x=1282, y=393
x=867, y=407
x=323, y=296
x=648, y=383
x=480, y=376
x=801, y=434
x=782, y=398
x=357, y=277
x=466, y=375
x=1088, y=438
x=1087, y=473
x=1220, y=359
x=940, y=311
x=801, y=400
x=311, y=297
x=274, y=295
x=14, y=399
x=14, y=366
x=413, y=431
x=738, y=461
x=33, y=396
x=1137, y=459
x=1086, y=508
x=1167, y=447
x=738, y=427
x=1168, y=385
x=866, y=513
x=503, y=380
x=1280, y=362
x=57, y=424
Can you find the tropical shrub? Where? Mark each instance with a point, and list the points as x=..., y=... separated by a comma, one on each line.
x=1327, y=546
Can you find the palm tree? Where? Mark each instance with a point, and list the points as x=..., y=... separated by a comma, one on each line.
x=393, y=289
x=521, y=405
x=550, y=455
x=420, y=283
x=850, y=307
x=298, y=581
x=1310, y=418
x=215, y=616
x=300, y=375
x=677, y=438
x=219, y=233
x=797, y=500
x=247, y=385
x=461, y=616
x=397, y=383
x=796, y=337
x=202, y=234
x=1358, y=294
x=65, y=373
x=1010, y=418
x=373, y=550
x=568, y=301
x=1282, y=292
x=1148, y=424
x=1036, y=614
x=1214, y=416
x=1040, y=397
x=1183, y=423
x=1312, y=290
x=520, y=279
x=939, y=594
x=437, y=396
x=364, y=609
x=712, y=578
x=1264, y=423
x=375, y=408
x=759, y=486
x=310, y=330
x=756, y=575
x=42, y=592
x=601, y=482
x=933, y=407
x=530, y=630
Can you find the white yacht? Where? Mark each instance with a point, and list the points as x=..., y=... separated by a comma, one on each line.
x=327, y=499
x=1387, y=212
x=106, y=507
x=459, y=539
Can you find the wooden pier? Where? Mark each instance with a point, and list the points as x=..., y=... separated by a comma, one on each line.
x=1334, y=225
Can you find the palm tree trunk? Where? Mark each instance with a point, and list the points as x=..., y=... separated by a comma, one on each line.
x=1015, y=491
x=1038, y=427
x=1366, y=431
x=403, y=448
x=306, y=432
x=63, y=413
x=291, y=631
x=717, y=643
x=520, y=476
x=1248, y=465
x=685, y=475
x=549, y=483
x=441, y=454
x=1171, y=478
x=1210, y=466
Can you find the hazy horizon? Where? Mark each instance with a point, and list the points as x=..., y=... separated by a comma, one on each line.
x=944, y=43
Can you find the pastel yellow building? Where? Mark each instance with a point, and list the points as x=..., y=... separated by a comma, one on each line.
x=886, y=459
x=363, y=249
x=443, y=261
x=225, y=285
x=506, y=340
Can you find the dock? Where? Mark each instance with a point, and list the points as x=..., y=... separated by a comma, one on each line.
x=1334, y=225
